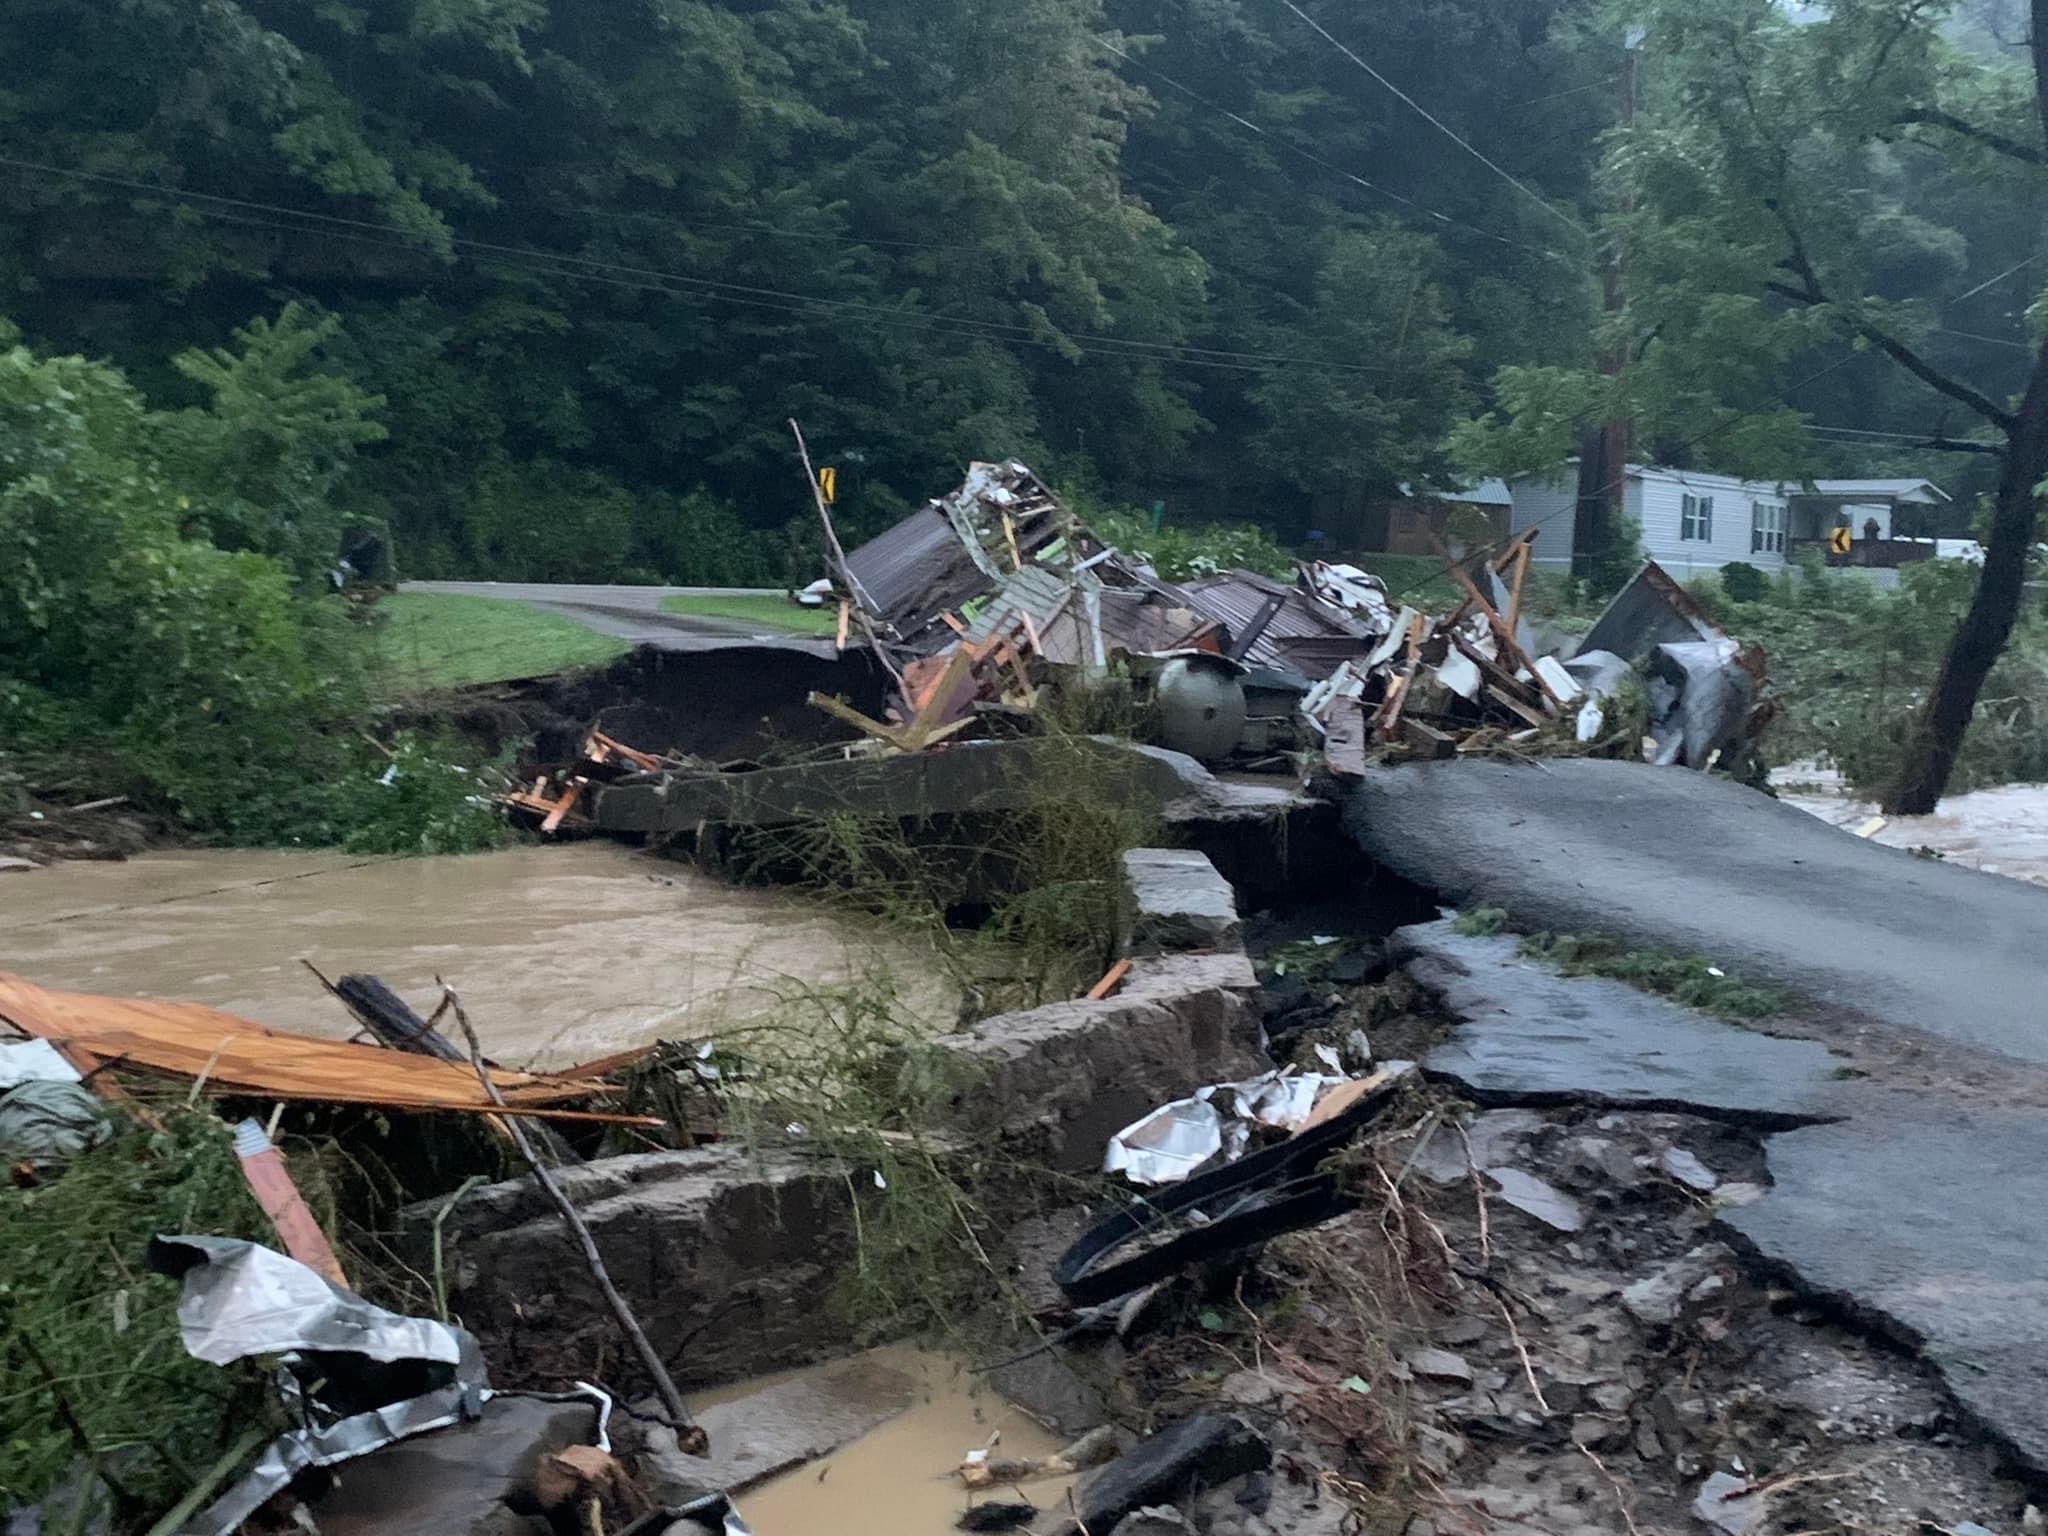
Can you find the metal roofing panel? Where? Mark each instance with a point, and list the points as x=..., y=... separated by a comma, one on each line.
x=1897, y=490
x=1238, y=597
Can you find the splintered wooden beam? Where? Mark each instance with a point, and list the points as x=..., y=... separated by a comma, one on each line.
x=1426, y=741
x=839, y=709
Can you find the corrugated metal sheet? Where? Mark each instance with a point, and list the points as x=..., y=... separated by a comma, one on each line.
x=1237, y=599
x=923, y=566
x=1135, y=619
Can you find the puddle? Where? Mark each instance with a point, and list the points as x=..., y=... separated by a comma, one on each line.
x=561, y=953
x=2001, y=831
x=896, y=1480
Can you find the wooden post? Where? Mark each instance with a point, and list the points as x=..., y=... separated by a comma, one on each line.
x=839, y=565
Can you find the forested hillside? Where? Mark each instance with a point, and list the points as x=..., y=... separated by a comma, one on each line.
x=592, y=253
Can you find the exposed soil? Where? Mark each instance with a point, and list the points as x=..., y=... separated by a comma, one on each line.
x=1395, y=1357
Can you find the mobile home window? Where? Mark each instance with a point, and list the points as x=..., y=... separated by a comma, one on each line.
x=1696, y=519
x=1767, y=527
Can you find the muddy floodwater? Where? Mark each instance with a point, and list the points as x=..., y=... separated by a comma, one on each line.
x=2002, y=830
x=897, y=1480
x=561, y=953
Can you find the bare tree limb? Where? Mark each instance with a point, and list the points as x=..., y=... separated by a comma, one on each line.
x=690, y=1437
x=1990, y=138
x=1809, y=291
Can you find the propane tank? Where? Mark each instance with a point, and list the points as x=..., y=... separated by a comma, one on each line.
x=1201, y=706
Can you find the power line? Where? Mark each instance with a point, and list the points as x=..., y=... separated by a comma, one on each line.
x=1816, y=426
x=1332, y=167
x=1437, y=123
x=1999, y=278
x=933, y=324
x=1595, y=85
x=567, y=265
x=1996, y=341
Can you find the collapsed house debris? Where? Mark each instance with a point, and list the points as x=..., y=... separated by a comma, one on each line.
x=993, y=601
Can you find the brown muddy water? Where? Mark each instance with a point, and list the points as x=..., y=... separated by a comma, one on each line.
x=2002, y=830
x=561, y=952
x=897, y=1480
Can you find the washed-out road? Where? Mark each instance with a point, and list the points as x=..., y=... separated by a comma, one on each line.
x=634, y=614
x=1914, y=1042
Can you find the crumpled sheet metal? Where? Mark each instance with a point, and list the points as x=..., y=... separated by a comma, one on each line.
x=243, y=1299
x=1701, y=698
x=1212, y=1126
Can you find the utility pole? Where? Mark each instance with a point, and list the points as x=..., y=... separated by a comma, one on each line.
x=1604, y=450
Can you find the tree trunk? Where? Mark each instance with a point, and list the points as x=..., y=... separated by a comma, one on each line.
x=1980, y=638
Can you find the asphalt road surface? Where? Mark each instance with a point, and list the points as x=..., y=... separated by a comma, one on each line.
x=1665, y=858
x=634, y=614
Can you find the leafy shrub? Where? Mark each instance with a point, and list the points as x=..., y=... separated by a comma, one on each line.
x=1744, y=583
x=207, y=684
x=1180, y=552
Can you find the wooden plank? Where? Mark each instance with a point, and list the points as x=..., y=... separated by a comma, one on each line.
x=1503, y=635
x=845, y=617
x=563, y=806
x=1493, y=672
x=1515, y=592
x=647, y=762
x=1111, y=980
x=1514, y=705
x=1426, y=741
x=840, y=710
x=1342, y=1096
x=188, y=1040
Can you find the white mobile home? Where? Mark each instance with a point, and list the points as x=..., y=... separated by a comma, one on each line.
x=1692, y=521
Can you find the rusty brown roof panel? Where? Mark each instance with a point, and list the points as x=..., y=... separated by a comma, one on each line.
x=1238, y=597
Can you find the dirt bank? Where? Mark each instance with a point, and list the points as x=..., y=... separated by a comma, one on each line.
x=561, y=953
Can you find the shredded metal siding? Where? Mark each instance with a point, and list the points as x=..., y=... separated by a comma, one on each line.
x=1238, y=598
x=940, y=556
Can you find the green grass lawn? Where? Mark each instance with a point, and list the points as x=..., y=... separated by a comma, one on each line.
x=767, y=610
x=430, y=640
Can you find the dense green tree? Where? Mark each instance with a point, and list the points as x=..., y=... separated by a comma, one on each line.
x=629, y=239
x=1783, y=197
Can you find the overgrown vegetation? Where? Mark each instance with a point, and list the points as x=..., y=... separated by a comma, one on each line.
x=94, y=1368
x=1851, y=665
x=165, y=624
x=1685, y=979
x=1182, y=551
x=1022, y=911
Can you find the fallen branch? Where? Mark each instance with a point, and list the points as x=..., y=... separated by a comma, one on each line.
x=690, y=1438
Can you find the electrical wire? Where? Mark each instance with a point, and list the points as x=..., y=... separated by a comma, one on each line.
x=1437, y=123
x=1971, y=293
x=1433, y=214
x=904, y=322
x=563, y=264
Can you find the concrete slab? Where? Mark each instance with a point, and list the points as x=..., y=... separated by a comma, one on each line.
x=962, y=779
x=1931, y=1232
x=1174, y=899
x=1060, y=1080
x=778, y=1427
x=1532, y=1036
